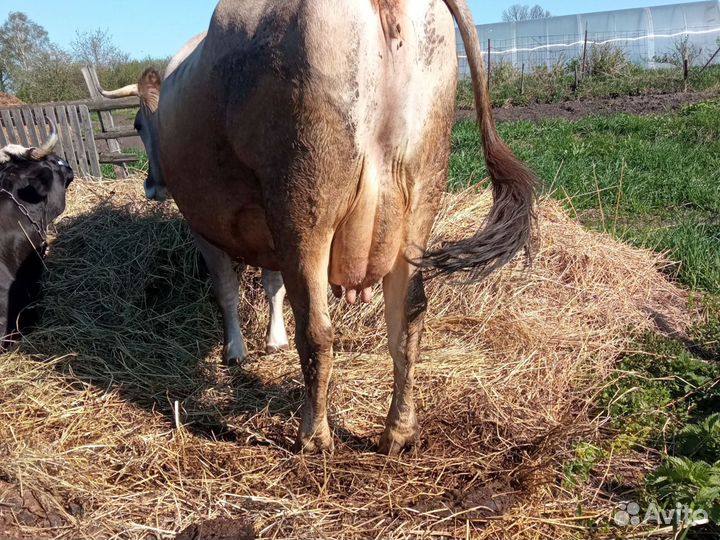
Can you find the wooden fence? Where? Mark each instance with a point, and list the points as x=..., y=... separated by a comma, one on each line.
x=26, y=125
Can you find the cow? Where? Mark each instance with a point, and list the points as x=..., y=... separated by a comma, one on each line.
x=33, y=182
x=224, y=279
x=312, y=137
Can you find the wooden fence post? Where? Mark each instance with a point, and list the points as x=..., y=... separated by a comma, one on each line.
x=106, y=119
x=522, y=80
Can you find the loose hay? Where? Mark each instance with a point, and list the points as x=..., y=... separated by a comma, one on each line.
x=505, y=385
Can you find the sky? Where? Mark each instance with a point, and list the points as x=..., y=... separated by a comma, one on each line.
x=159, y=28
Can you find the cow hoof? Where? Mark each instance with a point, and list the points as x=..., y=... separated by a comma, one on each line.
x=234, y=362
x=274, y=349
x=395, y=440
x=321, y=440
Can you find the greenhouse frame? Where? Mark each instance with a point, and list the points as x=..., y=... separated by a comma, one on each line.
x=645, y=34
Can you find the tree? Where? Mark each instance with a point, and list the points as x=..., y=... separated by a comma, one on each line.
x=22, y=44
x=97, y=48
x=516, y=12
x=55, y=77
x=522, y=12
x=538, y=12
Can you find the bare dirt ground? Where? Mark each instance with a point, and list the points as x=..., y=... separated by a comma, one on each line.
x=646, y=105
x=21, y=509
x=219, y=529
x=7, y=100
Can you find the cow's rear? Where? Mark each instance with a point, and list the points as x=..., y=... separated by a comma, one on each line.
x=389, y=106
x=313, y=137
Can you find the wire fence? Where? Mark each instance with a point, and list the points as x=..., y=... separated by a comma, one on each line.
x=640, y=48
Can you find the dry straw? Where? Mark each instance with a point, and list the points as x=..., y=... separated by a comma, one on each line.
x=129, y=349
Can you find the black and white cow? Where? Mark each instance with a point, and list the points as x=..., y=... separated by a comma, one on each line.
x=32, y=194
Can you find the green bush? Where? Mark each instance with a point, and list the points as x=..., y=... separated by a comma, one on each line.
x=607, y=61
x=609, y=75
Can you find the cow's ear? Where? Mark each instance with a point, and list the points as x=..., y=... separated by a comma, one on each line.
x=38, y=186
x=149, y=88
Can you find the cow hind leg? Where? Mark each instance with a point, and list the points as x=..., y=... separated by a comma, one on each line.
x=405, y=306
x=307, y=285
x=225, y=287
x=276, y=339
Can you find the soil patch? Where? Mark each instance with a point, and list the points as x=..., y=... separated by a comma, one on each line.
x=6, y=100
x=219, y=529
x=645, y=105
x=24, y=516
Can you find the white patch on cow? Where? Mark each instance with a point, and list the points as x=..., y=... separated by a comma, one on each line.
x=405, y=91
x=275, y=291
x=60, y=162
x=10, y=151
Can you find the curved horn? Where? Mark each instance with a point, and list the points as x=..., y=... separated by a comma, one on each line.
x=47, y=147
x=130, y=90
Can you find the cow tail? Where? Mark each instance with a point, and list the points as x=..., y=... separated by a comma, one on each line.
x=508, y=228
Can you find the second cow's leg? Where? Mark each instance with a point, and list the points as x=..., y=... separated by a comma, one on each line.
x=225, y=287
x=275, y=291
x=405, y=306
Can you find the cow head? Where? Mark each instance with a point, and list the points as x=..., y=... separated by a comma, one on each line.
x=146, y=124
x=35, y=178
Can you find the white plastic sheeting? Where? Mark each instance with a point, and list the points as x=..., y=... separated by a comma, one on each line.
x=644, y=34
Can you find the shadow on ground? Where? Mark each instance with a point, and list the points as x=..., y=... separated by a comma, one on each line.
x=127, y=305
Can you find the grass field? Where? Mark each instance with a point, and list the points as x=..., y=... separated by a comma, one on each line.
x=653, y=182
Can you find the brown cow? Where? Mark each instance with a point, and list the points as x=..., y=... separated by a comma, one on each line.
x=224, y=279
x=313, y=137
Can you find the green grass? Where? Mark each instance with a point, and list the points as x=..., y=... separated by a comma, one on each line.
x=667, y=397
x=140, y=167
x=652, y=181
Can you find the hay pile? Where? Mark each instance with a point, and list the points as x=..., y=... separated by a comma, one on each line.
x=505, y=386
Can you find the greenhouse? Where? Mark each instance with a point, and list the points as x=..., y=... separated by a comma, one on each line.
x=647, y=35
